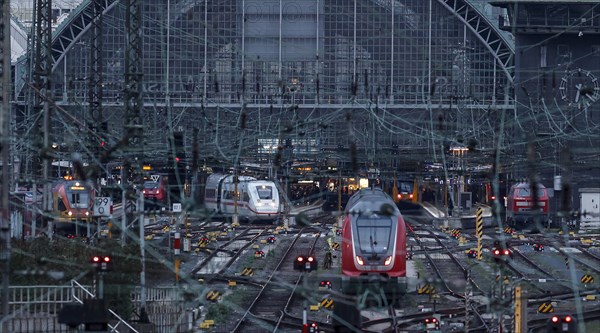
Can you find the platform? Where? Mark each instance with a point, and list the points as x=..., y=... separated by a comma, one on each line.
x=460, y=219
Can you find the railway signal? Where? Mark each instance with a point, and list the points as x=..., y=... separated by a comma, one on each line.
x=501, y=254
x=305, y=263
x=310, y=328
x=561, y=324
x=325, y=284
x=538, y=247
x=101, y=263
x=431, y=324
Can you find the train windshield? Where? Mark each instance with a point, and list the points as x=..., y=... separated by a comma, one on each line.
x=265, y=192
x=150, y=185
x=373, y=234
x=404, y=187
x=526, y=192
x=79, y=199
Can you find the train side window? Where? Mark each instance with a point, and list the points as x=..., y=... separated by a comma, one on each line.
x=61, y=205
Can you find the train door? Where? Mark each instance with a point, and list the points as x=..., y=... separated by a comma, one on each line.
x=220, y=194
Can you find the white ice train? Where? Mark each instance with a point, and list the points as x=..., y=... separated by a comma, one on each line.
x=257, y=200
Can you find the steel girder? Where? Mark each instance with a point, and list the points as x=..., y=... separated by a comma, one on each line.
x=71, y=30
x=481, y=26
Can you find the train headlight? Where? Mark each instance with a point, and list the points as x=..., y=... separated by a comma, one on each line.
x=388, y=261
x=70, y=213
x=360, y=260
x=259, y=204
x=87, y=213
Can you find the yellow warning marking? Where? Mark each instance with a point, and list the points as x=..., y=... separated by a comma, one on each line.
x=327, y=303
x=546, y=308
x=587, y=279
x=426, y=289
x=212, y=295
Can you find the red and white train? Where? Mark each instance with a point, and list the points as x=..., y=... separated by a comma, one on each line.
x=257, y=200
x=520, y=210
x=373, y=245
x=72, y=201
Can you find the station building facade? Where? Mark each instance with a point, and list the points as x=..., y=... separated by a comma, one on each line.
x=384, y=74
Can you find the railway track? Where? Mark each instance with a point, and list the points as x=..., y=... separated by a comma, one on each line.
x=454, y=281
x=267, y=312
x=246, y=236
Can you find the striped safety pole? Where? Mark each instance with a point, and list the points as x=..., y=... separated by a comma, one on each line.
x=177, y=251
x=479, y=229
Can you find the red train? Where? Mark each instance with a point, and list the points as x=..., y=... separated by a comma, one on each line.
x=373, y=245
x=156, y=191
x=520, y=212
x=73, y=201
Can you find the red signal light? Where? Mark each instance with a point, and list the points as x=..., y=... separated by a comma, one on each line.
x=568, y=319
x=310, y=259
x=106, y=259
x=496, y=252
x=300, y=259
x=554, y=319
x=506, y=252
x=96, y=259
x=177, y=159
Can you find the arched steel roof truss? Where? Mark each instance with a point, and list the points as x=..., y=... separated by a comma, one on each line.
x=71, y=30
x=495, y=42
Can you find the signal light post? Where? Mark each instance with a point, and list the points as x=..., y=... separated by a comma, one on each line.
x=305, y=264
x=101, y=265
x=561, y=324
x=432, y=324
